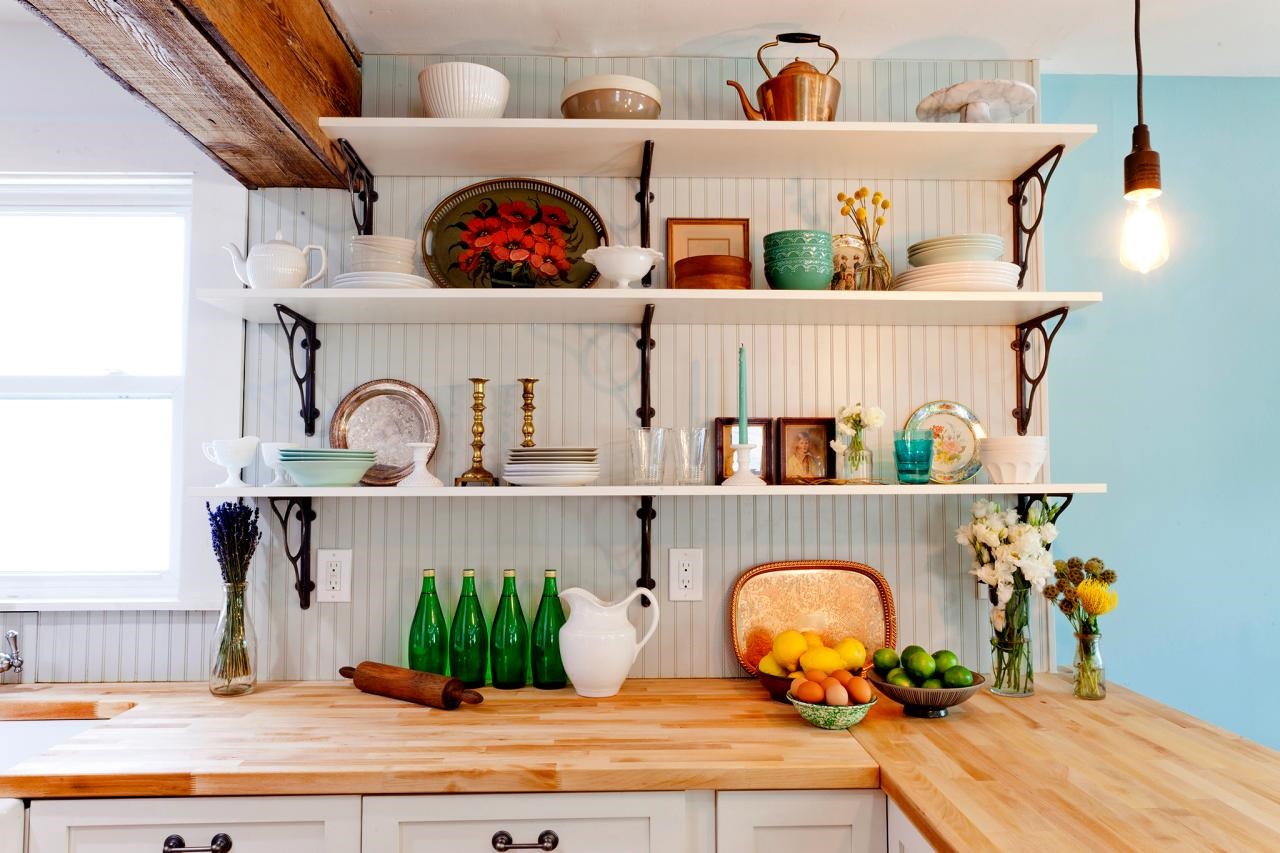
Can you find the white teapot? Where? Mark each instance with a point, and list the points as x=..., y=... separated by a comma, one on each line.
x=276, y=263
x=598, y=643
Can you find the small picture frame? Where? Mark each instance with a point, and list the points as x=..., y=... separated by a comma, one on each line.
x=687, y=238
x=804, y=454
x=759, y=433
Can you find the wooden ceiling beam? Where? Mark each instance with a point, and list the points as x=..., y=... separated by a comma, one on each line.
x=247, y=81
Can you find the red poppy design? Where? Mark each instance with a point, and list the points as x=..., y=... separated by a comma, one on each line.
x=516, y=212
x=513, y=244
x=554, y=215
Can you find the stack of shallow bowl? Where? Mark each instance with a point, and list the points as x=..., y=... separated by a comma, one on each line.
x=552, y=466
x=956, y=247
x=1013, y=458
x=325, y=467
x=959, y=262
x=798, y=260
x=378, y=261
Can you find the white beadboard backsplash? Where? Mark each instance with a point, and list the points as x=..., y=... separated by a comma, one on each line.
x=587, y=394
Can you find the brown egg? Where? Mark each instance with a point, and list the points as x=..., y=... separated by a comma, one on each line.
x=836, y=694
x=815, y=675
x=809, y=692
x=859, y=690
x=828, y=681
x=842, y=676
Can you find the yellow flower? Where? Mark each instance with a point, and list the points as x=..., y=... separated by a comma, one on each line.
x=841, y=197
x=885, y=204
x=880, y=221
x=861, y=214
x=863, y=192
x=1096, y=597
x=875, y=199
x=846, y=210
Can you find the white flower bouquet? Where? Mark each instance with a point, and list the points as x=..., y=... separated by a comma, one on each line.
x=849, y=443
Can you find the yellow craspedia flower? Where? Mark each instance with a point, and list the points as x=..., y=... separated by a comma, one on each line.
x=1096, y=597
x=841, y=197
x=863, y=192
x=880, y=221
x=846, y=210
x=885, y=204
x=861, y=214
x=875, y=199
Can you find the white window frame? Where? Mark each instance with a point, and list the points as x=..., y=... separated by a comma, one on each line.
x=207, y=401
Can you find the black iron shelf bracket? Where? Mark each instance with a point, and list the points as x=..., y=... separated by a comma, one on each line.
x=293, y=322
x=646, y=513
x=300, y=510
x=1025, y=232
x=1027, y=382
x=645, y=197
x=360, y=185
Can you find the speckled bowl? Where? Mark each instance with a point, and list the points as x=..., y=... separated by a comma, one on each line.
x=831, y=716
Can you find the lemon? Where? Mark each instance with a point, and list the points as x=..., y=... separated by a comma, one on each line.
x=787, y=648
x=771, y=666
x=821, y=658
x=814, y=639
x=852, y=652
x=798, y=674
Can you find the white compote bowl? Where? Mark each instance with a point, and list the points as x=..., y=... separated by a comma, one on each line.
x=271, y=458
x=420, y=476
x=232, y=454
x=622, y=264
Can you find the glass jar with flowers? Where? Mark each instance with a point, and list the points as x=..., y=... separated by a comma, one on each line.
x=235, y=533
x=869, y=265
x=1081, y=589
x=854, y=460
x=1011, y=556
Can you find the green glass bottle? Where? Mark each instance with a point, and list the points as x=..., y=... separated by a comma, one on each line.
x=428, y=634
x=510, y=640
x=468, y=640
x=548, y=671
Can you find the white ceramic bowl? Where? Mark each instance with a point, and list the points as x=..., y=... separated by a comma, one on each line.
x=615, y=96
x=1013, y=458
x=463, y=90
x=622, y=264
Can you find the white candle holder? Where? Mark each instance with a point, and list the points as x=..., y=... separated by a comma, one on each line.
x=742, y=475
x=420, y=476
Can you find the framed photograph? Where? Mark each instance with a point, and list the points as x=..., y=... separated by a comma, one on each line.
x=689, y=237
x=759, y=433
x=804, y=453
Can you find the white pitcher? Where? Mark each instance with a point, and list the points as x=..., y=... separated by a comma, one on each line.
x=598, y=643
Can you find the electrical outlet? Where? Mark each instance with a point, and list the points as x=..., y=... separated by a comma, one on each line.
x=686, y=575
x=333, y=575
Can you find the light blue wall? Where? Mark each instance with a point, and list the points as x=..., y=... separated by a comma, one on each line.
x=1168, y=391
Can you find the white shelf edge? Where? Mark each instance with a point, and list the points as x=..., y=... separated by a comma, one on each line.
x=890, y=490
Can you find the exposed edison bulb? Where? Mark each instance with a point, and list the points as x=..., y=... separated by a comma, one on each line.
x=1144, y=243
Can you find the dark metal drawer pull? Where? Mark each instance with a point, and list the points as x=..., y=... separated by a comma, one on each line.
x=220, y=843
x=547, y=840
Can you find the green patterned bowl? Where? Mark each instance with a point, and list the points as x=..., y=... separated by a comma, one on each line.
x=797, y=237
x=798, y=253
x=831, y=716
x=800, y=275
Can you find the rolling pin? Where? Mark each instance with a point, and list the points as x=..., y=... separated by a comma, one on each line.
x=424, y=688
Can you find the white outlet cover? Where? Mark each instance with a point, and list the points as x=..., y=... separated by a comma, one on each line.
x=333, y=575
x=685, y=580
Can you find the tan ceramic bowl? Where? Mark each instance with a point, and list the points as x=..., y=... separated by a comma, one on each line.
x=610, y=103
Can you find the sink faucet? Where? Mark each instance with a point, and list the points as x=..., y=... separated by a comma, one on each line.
x=12, y=659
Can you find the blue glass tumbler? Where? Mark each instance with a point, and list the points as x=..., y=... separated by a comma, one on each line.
x=913, y=454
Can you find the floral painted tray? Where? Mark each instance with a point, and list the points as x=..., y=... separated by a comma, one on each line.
x=513, y=232
x=956, y=433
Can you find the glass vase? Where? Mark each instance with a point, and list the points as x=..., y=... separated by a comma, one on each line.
x=1087, y=669
x=873, y=272
x=235, y=649
x=1012, y=673
x=856, y=463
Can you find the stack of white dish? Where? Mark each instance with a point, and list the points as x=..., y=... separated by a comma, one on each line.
x=325, y=467
x=956, y=247
x=373, y=253
x=552, y=466
x=395, y=280
x=960, y=276
x=1013, y=458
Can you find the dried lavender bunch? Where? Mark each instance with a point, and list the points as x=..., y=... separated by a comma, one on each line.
x=235, y=534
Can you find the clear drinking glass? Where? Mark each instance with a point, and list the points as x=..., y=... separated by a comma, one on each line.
x=913, y=455
x=691, y=456
x=648, y=455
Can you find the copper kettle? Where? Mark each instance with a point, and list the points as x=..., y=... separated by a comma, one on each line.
x=799, y=92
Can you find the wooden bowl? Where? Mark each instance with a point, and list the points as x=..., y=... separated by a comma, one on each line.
x=928, y=702
x=713, y=272
x=777, y=686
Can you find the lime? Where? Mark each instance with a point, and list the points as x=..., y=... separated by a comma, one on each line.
x=885, y=660
x=909, y=651
x=932, y=683
x=957, y=676
x=919, y=665
x=897, y=670
x=945, y=659
x=900, y=678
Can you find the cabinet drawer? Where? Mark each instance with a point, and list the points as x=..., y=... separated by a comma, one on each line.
x=809, y=821
x=255, y=824
x=583, y=823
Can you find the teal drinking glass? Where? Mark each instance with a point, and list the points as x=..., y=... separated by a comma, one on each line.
x=913, y=454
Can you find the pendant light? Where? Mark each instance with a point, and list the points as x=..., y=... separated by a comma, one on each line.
x=1144, y=243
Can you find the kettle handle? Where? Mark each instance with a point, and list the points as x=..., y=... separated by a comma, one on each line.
x=653, y=608
x=797, y=38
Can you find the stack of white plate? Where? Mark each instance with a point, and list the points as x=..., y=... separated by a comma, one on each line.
x=398, y=280
x=960, y=276
x=956, y=247
x=311, y=466
x=1013, y=458
x=552, y=466
x=372, y=253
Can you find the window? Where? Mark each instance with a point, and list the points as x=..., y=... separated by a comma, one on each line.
x=93, y=318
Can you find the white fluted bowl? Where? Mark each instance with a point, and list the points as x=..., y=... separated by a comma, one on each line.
x=622, y=264
x=463, y=90
x=1013, y=459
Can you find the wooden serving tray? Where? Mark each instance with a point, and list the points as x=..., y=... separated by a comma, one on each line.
x=836, y=598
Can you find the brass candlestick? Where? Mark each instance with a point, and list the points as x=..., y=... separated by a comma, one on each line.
x=476, y=475
x=527, y=408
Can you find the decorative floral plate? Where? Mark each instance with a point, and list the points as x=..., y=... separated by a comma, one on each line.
x=512, y=232
x=956, y=432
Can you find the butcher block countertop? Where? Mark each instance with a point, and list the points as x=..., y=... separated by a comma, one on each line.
x=1049, y=772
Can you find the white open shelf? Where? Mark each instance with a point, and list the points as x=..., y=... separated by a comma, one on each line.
x=701, y=149
x=765, y=307
x=890, y=490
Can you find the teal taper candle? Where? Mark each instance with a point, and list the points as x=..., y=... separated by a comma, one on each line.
x=742, y=393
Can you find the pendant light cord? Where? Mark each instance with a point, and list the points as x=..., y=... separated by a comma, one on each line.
x=1137, y=49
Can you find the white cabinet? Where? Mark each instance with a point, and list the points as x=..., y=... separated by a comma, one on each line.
x=903, y=835
x=645, y=822
x=255, y=824
x=800, y=822
x=13, y=830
